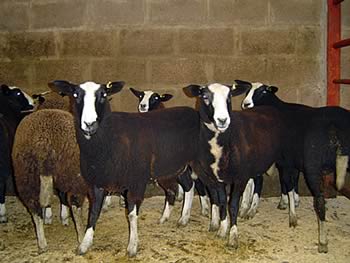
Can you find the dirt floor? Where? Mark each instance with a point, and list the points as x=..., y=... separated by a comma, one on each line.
x=265, y=238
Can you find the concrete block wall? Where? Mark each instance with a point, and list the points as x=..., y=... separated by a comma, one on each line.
x=345, y=55
x=165, y=44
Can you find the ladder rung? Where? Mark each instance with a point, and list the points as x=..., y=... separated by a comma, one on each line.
x=342, y=43
x=341, y=81
x=335, y=2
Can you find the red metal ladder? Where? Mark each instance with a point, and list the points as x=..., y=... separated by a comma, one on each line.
x=334, y=80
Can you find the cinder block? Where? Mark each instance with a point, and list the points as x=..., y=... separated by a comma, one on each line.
x=32, y=45
x=59, y=14
x=144, y=42
x=242, y=12
x=309, y=42
x=211, y=41
x=177, y=12
x=312, y=94
x=88, y=43
x=266, y=41
x=175, y=71
x=15, y=74
x=116, y=12
x=75, y=71
x=252, y=68
x=13, y=16
x=132, y=71
x=305, y=12
x=295, y=71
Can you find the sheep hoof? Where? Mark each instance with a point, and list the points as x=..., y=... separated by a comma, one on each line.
x=205, y=212
x=162, y=220
x=251, y=213
x=47, y=220
x=293, y=221
x=182, y=222
x=282, y=206
x=3, y=219
x=213, y=227
x=65, y=221
x=42, y=250
x=233, y=240
x=80, y=251
x=322, y=248
x=243, y=213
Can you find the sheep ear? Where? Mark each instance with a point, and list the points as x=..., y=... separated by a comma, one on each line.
x=193, y=90
x=62, y=86
x=5, y=89
x=243, y=84
x=237, y=90
x=114, y=87
x=166, y=97
x=39, y=97
x=272, y=89
x=136, y=92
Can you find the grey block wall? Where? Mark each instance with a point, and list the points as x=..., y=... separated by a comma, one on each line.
x=167, y=44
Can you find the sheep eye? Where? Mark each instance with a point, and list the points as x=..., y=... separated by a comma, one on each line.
x=104, y=95
x=75, y=95
x=18, y=94
x=157, y=98
x=264, y=92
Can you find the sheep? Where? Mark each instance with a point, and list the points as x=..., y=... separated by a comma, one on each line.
x=119, y=151
x=148, y=101
x=13, y=102
x=46, y=159
x=234, y=146
x=319, y=141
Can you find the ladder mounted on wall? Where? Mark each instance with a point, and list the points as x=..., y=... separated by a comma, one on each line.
x=334, y=80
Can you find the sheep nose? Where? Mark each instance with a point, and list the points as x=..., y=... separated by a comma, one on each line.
x=246, y=105
x=143, y=106
x=222, y=121
x=91, y=126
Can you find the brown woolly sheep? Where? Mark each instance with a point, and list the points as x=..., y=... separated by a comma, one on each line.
x=46, y=159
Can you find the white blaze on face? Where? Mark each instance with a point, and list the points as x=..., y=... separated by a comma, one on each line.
x=219, y=103
x=29, y=98
x=145, y=101
x=248, y=100
x=89, y=114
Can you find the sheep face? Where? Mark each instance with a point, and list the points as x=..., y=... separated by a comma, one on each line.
x=215, y=106
x=257, y=93
x=90, y=101
x=18, y=99
x=149, y=100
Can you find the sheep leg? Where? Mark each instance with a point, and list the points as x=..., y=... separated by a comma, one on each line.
x=132, y=220
x=94, y=213
x=283, y=204
x=77, y=216
x=259, y=180
x=314, y=179
x=247, y=198
x=233, y=210
x=64, y=211
x=188, y=185
x=223, y=211
x=296, y=189
x=169, y=187
x=107, y=203
x=214, y=223
x=3, y=217
x=39, y=227
x=204, y=200
x=180, y=193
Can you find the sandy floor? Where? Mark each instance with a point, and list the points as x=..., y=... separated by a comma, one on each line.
x=265, y=238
